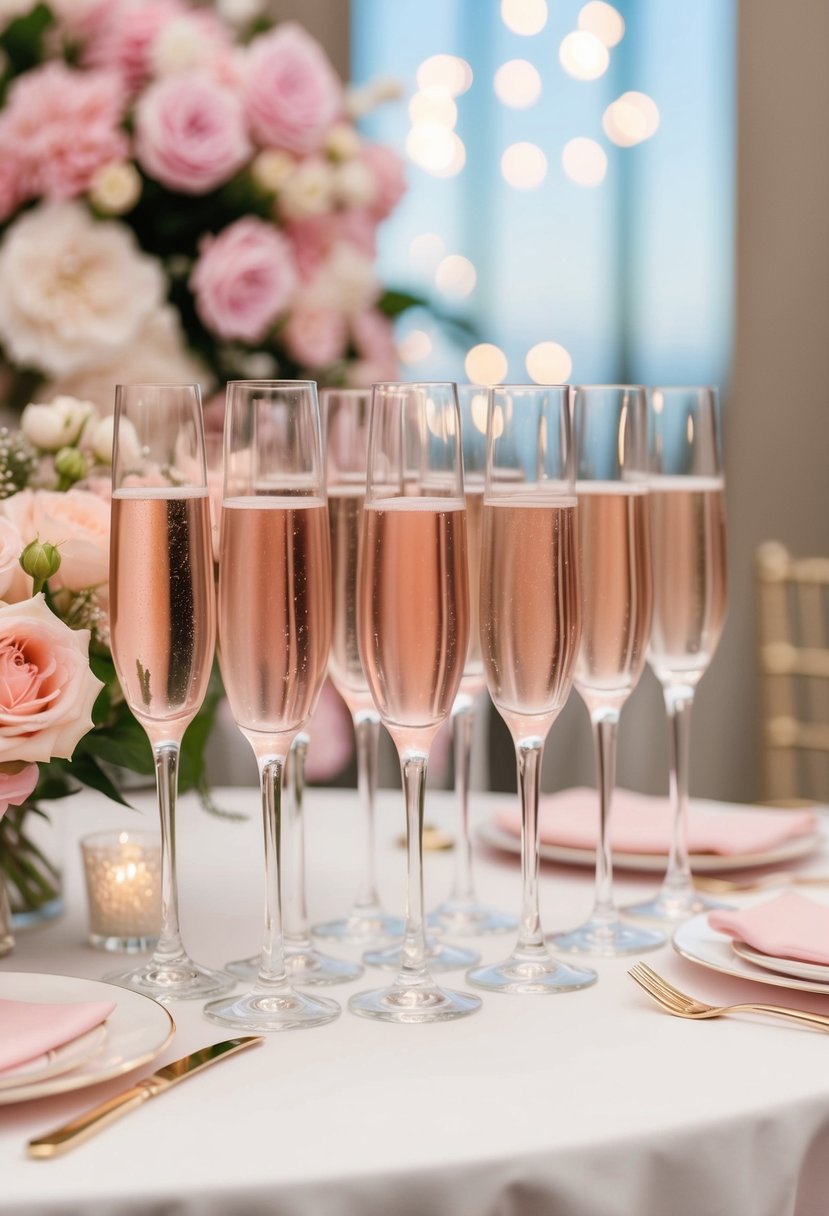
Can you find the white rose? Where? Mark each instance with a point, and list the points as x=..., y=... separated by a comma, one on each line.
x=101, y=436
x=158, y=355
x=308, y=190
x=241, y=12
x=58, y=424
x=272, y=168
x=74, y=292
x=354, y=184
x=115, y=188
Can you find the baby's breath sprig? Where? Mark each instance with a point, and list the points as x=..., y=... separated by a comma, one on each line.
x=18, y=461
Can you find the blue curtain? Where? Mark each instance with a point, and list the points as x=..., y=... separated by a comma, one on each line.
x=633, y=277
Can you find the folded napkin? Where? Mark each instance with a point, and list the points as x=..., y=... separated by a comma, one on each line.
x=789, y=926
x=29, y=1030
x=641, y=823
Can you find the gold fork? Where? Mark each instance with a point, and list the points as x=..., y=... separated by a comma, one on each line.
x=783, y=878
x=685, y=1006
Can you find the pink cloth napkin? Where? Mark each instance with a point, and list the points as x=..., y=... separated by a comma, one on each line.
x=641, y=823
x=789, y=926
x=29, y=1030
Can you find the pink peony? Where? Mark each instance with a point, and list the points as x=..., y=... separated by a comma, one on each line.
x=190, y=133
x=244, y=280
x=16, y=787
x=389, y=175
x=59, y=127
x=314, y=238
x=46, y=687
x=292, y=93
x=315, y=337
x=124, y=37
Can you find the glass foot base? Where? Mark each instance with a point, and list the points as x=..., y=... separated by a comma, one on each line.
x=178, y=980
x=440, y=956
x=361, y=928
x=265, y=1009
x=607, y=939
x=302, y=967
x=404, y=1003
x=674, y=906
x=471, y=920
x=531, y=977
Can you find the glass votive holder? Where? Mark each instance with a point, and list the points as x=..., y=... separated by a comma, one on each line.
x=123, y=887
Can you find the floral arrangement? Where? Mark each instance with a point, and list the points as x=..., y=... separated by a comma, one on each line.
x=183, y=200
x=63, y=719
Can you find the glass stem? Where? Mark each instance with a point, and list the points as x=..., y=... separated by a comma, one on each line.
x=413, y=971
x=296, y=932
x=169, y=945
x=605, y=729
x=272, y=960
x=530, y=936
x=463, y=727
x=678, y=702
x=367, y=733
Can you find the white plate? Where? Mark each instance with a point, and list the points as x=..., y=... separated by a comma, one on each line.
x=60, y=1059
x=699, y=943
x=654, y=863
x=795, y=967
x=137, y=1030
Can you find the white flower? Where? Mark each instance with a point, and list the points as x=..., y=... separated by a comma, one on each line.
x=182, y=45
x=342, y=141
x=345, y=282
x=158, y=355
x=74, y=292
x=308, y=190
x=354, y=184
x=359, y=101
x=241, y=12
x=115, y=188
x=58, y=424
x=101, y=436
x=272, y=168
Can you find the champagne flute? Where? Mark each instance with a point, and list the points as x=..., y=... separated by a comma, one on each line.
x=611, y=450
x=530, y=630
x=413, y=631
x=274, y=631
x=163, y=623
x=689, y=560
x=345, y=415
x=461, y=912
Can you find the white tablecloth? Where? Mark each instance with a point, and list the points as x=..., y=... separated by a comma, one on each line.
x=592, y=1102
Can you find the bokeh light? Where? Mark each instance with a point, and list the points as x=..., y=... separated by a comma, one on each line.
x=549, y=363
x=630, y=119
x=415, y=347
x=524, y=166
x=518, y=84
x=426, y=250
x=525, y=17
x=436, y=149
x=584, y=161
x=583, y=55
x=446, y=74
x=433, y=107
x=603, y=20
x=486, y=364
x=456, y=276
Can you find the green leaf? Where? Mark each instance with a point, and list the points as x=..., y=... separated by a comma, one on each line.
x=392, y=302
x=22, y=39
x=85, y=769
x=191, y=763
x=123, y=743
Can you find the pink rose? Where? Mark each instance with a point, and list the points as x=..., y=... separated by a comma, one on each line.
x=292, y=93
x=315, y=337
x=11, y=546
x=389, y=176
x=77, y=522
x=46, y=688
x=373, y=335
x=124, y=36
x=314, y=238
x=59, y=127
x=244, y=280
x=190, y=133
x=16, y=787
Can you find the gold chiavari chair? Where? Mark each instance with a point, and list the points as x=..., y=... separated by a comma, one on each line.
x=793, y=653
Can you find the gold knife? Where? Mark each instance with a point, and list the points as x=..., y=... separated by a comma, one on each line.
x=68, y=1134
